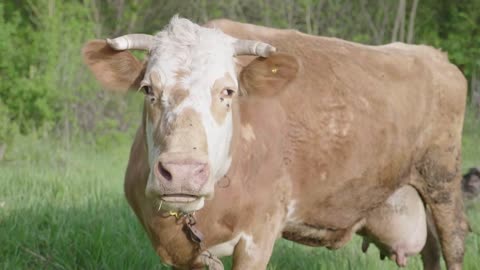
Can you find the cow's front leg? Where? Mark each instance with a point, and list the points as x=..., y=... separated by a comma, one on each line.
x=210, y=261
x=205, y=259
x=253, y=253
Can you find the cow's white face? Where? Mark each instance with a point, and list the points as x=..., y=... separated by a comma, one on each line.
x=189, y=82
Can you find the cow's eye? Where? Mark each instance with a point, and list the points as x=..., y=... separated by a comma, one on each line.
x=227, y=92
x=147, y=90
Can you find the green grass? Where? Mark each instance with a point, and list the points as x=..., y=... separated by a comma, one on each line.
x=65, y=209
x=471, y=141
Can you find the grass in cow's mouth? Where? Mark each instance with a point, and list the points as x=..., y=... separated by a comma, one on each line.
x=64, y=209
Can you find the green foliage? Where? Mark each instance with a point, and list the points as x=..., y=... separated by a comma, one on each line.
x=471, y=140
x=44, y=82
x=41, y=59
x=9, y=129
x=7, y=70
x=453, y=26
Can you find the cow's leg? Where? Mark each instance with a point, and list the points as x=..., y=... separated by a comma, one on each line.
x=204, y=261
x=252, y=255
x=254, y=250
x=452, y=230
x=441, y=189
x=431, y=251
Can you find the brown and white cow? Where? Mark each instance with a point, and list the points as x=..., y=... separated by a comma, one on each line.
x=309, y=141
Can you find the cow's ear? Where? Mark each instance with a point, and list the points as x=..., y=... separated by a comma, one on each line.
x=115, y=70
x=269, y=76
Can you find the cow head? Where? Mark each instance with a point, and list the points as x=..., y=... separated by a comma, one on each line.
x=189, y=81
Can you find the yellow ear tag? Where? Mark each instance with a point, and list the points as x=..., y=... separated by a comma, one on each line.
x=274, y=70
x=174, y=213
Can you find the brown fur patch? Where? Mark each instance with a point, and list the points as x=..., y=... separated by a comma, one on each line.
x=181, y=73
x=177, y=95
x=153, y=113
x=156, y=83
x=221, y=105
x=314, y=235
x=268, y=76
x=184, y=134
x=115, y=70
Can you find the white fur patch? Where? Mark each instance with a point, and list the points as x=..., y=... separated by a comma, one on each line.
x=291, y=210
x=250, y=246
x=247, y=133
x=227, y=248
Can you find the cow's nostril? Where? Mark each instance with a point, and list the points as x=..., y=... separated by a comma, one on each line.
x=202, y=169
x=163, y=172
x=198, y=172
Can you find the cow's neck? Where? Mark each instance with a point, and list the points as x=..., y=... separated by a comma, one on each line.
x=257, y=141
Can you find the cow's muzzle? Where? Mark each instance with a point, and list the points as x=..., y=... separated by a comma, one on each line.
x=181, y=179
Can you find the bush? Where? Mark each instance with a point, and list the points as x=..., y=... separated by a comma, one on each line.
x=8, y=130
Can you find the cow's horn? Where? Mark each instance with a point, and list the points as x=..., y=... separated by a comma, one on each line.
x=132, y=42
x=252, y=47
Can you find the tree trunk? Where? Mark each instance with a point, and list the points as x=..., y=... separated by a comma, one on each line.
x=266, y=13
x=308, y=17
x=399, y=22
x=402, y=22
x=371, y=23
x=411, y=23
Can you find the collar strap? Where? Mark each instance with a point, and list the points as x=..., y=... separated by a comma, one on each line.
x=194, y=235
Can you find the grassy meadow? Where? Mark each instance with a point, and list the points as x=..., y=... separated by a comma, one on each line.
x=62, y=207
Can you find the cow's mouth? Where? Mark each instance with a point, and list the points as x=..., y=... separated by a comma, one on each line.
x=179, y=198
x=181, y=202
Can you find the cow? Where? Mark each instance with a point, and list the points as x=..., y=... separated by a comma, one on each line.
x=251, y=133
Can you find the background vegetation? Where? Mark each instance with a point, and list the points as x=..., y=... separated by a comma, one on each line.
x=64, y=142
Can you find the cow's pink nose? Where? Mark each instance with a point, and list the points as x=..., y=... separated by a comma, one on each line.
x=193, y=174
